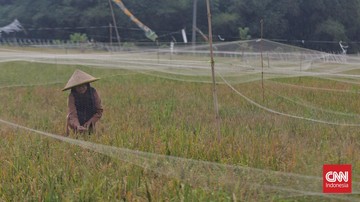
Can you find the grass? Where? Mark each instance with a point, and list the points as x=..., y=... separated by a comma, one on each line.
x=162, y=116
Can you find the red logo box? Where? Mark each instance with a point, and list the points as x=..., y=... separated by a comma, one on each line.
x=337, y=178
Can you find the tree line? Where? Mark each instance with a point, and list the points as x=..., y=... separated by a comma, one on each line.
x=316, y=24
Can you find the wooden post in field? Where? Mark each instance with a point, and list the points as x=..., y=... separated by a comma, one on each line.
x=217, y=117
x=301, y=56
x=115, y=24
x=158, y=51
x=110, y=30
x=262, y=62
x=193, y=39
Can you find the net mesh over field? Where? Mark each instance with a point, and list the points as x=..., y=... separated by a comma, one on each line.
x=267, y=64
x=239, y=62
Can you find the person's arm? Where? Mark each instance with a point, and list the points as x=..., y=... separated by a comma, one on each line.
x=99, y=111
x=72, y=113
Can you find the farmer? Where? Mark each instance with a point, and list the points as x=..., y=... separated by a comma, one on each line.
x=84, y=103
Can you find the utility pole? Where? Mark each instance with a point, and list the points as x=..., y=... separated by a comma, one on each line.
x=194, y=23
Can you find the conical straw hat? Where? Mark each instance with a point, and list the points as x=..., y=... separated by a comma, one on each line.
x=79, y=77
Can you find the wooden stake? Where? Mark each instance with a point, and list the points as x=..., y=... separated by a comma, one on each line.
x=301, y=56
x=217, y=117
x=262, y=62
x=110, y=29
x=115, y=24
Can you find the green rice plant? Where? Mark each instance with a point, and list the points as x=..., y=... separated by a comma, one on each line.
x=163, y=116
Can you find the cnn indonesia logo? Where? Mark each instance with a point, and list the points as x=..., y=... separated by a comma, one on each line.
x=337, y=178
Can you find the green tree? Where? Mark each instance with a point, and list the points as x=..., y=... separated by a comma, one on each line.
x=331, y=30
x=78, y=38
x=243, y=33
x=308, y=20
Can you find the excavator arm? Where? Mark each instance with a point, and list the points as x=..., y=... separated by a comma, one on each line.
x=148, y=32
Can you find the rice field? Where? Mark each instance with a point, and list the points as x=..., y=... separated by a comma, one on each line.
x=157, y=139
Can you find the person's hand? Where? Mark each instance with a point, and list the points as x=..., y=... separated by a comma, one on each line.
x=88, y=124
x=81, y=129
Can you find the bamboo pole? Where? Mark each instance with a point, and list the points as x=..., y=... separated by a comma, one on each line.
x=301, y=57
x=217, y=117
x=110, y=30
x=193, y=39
x=115, y=24
x=262, y=62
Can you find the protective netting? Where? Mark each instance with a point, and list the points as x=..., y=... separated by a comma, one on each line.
x=236, y=62
x=265, y=184
x=269, y=67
